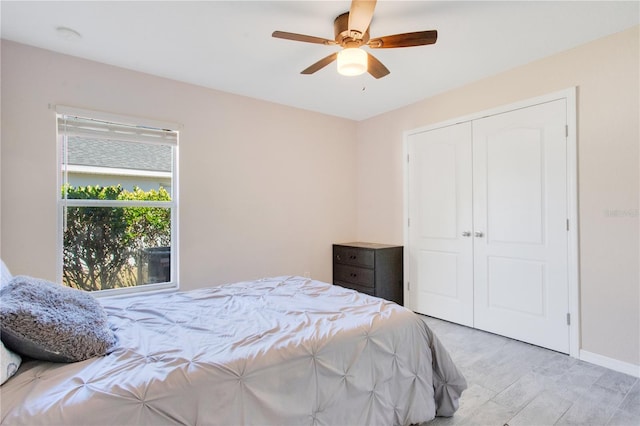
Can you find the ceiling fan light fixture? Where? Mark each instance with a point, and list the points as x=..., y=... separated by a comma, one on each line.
x=352, y=61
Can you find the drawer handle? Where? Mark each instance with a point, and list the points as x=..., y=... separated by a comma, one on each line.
x=352, y=257
x=352, y=275
x=338, y=257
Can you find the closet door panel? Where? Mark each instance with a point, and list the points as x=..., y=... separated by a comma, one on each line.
x=440, y=247
x=520, y=236
x=514, y=182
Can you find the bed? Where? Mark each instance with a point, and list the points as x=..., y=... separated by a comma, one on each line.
x=285, y=350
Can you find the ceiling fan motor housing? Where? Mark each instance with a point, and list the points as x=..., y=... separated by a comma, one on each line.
x=342, y=35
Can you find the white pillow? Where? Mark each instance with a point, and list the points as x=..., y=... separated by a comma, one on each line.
x=6, y=275
x=9, y=363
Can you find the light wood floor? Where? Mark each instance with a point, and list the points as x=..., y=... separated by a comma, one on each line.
x=514, y=383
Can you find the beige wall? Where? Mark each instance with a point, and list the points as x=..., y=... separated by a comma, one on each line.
x=607, y=75
x=264, y=189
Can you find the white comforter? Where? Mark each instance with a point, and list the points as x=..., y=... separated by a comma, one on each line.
x=276, y=351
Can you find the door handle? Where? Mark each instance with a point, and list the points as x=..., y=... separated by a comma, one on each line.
x=466, y=234
x=479, y=234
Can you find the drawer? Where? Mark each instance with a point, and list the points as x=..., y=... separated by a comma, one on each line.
x=354, y=256
x=349, y=274
x=366, y=290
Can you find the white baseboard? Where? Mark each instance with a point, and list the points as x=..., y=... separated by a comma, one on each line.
x=613, y=364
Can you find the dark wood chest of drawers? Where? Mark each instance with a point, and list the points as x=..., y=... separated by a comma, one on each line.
x=374, y=269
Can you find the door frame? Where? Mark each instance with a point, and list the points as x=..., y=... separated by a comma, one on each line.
x=573, y=263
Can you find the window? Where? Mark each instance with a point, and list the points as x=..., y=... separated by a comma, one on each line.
x=118, y=203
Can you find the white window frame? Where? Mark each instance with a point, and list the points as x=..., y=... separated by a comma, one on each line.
x=63, y=203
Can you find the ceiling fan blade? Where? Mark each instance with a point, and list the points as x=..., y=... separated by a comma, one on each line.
x=302, y=37
x=360, y=15
x=376, y=68
x=320, y=64
x=419, y=38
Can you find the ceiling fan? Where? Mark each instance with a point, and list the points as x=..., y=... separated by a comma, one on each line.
x=352, y=32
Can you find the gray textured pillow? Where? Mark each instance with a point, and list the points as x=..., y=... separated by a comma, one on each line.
x=50, y=322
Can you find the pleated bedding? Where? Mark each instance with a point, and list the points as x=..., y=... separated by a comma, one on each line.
x=277, y=351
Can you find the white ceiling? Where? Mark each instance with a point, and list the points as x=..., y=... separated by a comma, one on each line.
x=227, y=45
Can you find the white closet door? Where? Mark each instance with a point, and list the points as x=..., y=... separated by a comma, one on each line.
x=520, y=234
x=440, y=250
